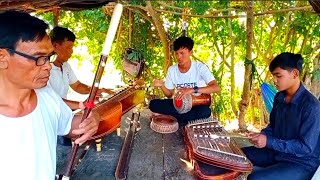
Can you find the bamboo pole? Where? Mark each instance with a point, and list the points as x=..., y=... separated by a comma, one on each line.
x=239, y=16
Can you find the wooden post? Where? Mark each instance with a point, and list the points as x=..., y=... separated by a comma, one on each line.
x=248, y=68
x=56, y=14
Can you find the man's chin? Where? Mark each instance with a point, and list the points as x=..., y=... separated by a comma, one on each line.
x=41, y=85
x=279, y=88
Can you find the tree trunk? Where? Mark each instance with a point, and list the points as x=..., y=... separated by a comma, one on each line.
x=162, y=34
x=248, y=68
x=233, y=104
x=56, y=14
x=315, y=82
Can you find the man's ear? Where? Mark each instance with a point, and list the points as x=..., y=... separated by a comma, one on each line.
x=4, y=58
x=295, y=73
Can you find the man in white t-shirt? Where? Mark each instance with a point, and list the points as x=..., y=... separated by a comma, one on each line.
x=62, y=75
x=31, y=113
x=186, y=77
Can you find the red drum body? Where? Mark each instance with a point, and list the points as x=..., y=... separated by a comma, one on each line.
x=185, y=105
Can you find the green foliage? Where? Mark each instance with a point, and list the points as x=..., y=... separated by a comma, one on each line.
x=273, y=34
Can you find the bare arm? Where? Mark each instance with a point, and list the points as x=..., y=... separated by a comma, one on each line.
x=160, y=83
x=81, y=88
x=212, y=87
x=74, y=104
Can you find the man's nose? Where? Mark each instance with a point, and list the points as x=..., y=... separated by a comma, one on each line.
x=275, y=80
x=47, y=65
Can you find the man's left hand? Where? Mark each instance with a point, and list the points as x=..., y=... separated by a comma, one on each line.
x=87, y=128
x=258, y=140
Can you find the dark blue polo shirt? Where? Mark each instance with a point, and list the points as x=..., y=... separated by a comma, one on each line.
x=294, y=128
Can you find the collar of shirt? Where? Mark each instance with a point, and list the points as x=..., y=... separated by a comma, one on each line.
x=54, y=66
x=296, y=96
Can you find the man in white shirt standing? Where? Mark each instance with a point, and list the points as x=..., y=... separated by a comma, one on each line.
x=31, y=113
x=62, y=75
x=186, y=77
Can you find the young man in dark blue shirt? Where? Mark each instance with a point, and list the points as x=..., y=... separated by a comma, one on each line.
x=289, y=147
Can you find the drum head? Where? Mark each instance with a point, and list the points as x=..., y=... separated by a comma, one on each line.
x=183, y=105
x=164, y=124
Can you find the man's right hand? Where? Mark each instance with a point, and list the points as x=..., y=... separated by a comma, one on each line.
x=158, y=83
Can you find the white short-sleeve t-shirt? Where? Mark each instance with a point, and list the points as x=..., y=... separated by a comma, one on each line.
x=60, y=80
x=29, y=143
x=198, y=75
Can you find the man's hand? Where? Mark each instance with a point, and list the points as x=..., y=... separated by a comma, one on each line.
x=104, y=90
x=182, y=92
x=87, y=128
x=81, y=105
x=158, y=83
x=257, y=139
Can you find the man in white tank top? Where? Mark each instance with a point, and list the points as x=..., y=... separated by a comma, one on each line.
x=184, y=78
x=31, y=113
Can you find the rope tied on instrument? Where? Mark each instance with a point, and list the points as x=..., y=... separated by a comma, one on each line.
x=89, y=105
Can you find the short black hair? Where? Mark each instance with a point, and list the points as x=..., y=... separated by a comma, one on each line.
x=59, y=34
x=183, y=42
x=18, y=25
x=287, y=61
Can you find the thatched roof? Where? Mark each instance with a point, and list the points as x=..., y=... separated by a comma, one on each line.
x=47, y=5
x=316, y=5
x=74, y=5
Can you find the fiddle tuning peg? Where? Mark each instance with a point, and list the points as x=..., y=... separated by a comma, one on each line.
x=118, y=131
x=98, y=145
x=138, y=125
x=128, y=120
